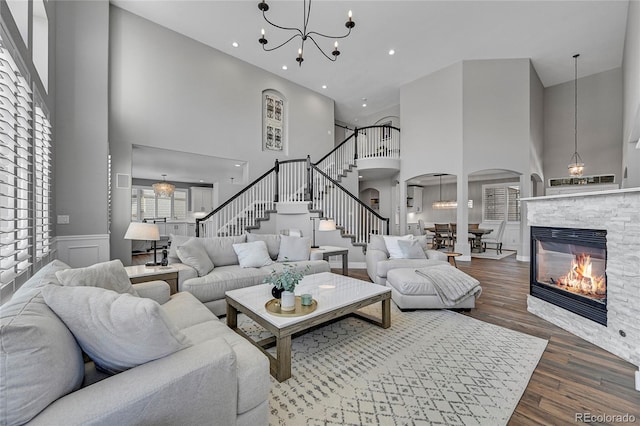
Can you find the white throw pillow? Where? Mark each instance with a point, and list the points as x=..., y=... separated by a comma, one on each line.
x=192, y=253
x=108, y=275
x=117, y=331
x=272, y=241
x=253, y=255
x=411, y=249
x=294, y=249
x=391, y=241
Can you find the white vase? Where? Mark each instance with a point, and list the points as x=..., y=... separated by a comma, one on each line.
x=288, y=301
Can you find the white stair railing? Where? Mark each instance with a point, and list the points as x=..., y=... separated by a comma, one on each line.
x=302, y=181
x=356, y=219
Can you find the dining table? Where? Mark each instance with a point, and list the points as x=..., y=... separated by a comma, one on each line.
x=476, y=243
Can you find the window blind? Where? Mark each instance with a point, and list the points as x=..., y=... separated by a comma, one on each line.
x=42, y=187
x=493, y=200
x=16, y=212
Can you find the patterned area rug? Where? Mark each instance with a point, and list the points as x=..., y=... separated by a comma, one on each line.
x=491, y=254
x=430, y=367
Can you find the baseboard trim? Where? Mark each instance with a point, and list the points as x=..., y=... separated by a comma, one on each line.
x=523, y=258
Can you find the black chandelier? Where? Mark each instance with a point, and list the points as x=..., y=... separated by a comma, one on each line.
x=303, y=33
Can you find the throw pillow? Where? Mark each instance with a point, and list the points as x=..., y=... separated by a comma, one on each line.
x=411, y=249
x=108, y=275
x=391, y=241
x=176, y=241
x=272, y=241
x=376, y=242
x=192, y=254
x=253, y=255
x=294, y=248
x=117, y=331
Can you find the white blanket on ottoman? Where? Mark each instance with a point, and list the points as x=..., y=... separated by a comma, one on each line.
x=451, y=284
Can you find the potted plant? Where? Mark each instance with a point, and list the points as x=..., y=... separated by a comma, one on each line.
x=284, y=284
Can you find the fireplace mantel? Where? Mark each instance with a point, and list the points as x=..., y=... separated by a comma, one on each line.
x=583, y=194
x=617, y=212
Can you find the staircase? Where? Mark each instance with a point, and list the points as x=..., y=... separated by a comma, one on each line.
x=316, y=184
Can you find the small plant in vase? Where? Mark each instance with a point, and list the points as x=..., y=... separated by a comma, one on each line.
x=284, y=284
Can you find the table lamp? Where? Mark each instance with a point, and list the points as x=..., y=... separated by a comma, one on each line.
x=323, y=225
x=144, y=231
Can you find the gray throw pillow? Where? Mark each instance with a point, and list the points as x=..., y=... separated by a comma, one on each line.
x=411, y=249
x=192, y=253
x=272, y=241
x=108, y=275
x=253, y=255
x=294, y=248
x=176, y=241
x=117, y=331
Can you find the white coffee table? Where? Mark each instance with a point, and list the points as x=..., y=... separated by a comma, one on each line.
x=337, y=296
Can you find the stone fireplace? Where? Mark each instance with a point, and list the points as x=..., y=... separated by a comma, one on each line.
x=611, y=281
x=568, y=269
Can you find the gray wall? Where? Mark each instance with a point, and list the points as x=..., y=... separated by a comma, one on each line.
x=81, y=137
x=169, y=91
x=536, y=123
x=631, y=100
x=599, y=125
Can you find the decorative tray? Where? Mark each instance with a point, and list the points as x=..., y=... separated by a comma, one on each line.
x=273, y=307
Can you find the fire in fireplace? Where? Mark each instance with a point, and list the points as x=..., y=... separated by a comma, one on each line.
x=568, y=269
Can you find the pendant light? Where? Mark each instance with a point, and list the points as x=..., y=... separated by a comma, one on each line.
x=576, y=166
x=163, y=188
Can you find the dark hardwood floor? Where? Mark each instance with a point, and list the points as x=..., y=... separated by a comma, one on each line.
x=573, y=375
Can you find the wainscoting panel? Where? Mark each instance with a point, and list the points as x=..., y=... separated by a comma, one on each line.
x=83, y=250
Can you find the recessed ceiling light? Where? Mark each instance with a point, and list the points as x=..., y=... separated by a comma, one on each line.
x=235, y=44
x=324, y=86
x=392, y=52
x=201, y=181
x=364, y=105
x=360, y=176
x=284, y=67
x=237, y=165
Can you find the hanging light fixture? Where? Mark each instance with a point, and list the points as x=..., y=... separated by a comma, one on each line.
x=163, y=188
x=576, y=166
x=447, y=204
x=303, y=33
x=443, y=204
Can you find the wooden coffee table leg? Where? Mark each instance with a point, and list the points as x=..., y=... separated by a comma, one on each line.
x=283, y=358
x=386, y=313
x=232, y=317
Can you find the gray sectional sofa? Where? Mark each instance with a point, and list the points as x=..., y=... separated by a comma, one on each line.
x=379, y=263
x=227, y=274
x=219, y=379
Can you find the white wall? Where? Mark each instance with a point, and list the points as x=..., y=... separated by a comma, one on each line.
x=631, y=97
x=169, y=91
x=599, y=125
x=536, y=123
x=81, y=125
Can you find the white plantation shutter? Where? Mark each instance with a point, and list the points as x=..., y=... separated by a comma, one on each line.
x=42, y=187
x=16, y=212
x=493, y=200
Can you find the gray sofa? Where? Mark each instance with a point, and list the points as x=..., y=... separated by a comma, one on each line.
x=227, y=274
x=221, y=379
x=379, y=263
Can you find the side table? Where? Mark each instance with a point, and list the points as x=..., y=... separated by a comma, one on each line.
x=452, y=255
x=142, y=274
x=325, y=252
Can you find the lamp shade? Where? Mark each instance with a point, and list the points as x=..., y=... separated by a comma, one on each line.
x=327, y=225
x=142, y=231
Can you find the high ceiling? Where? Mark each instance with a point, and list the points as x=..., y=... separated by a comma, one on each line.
x=426, y=36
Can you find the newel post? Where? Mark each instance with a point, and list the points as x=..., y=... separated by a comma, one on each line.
x=355, y=151
x=276, y=196
x=308, y=182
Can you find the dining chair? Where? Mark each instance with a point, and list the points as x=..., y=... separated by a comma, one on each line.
x=422, y=228
x=471, y=236
x=495, y=239
x=453, y=227
x=442, y=236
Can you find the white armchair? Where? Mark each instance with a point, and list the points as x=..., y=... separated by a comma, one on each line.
x=495, y=238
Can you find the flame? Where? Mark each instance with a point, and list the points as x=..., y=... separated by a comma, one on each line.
x=581, y=280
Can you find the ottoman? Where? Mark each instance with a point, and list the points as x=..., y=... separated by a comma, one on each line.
x=412, y=291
